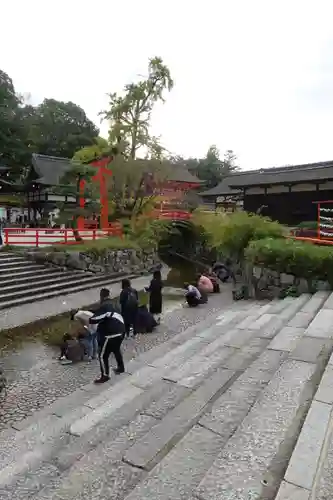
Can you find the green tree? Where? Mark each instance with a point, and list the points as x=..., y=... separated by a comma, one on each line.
x=212, y=169
x=133, y=186
x=59, y=128
x=13, y=133
x=129, y=114
x=90, y=153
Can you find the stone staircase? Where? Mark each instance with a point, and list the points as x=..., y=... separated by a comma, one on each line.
x=237, y=407
x=24, y=282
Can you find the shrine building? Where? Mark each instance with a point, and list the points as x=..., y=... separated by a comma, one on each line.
x=286, y=194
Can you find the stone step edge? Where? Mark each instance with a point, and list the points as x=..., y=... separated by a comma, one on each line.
x=34, y=284
x=314, y=452
x=56, y=293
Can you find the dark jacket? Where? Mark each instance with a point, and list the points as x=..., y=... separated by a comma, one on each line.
x=127, y=304
x=110, y=322
x=155, y=298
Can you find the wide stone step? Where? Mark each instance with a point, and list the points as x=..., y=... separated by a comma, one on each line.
x=179, y=463
x=58, y=436
x=181, y=470
x=252, y=460
x=23, y=271
x=309, y=473
x=8, y=257
x=53, y=284
x=90, y=410
x=48, y=293
x=48, y=276
x=17, y=263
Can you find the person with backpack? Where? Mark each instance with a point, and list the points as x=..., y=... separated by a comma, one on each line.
x=129, y=303
x=110, y=334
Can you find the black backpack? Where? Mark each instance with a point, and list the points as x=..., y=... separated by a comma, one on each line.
x=132, y=299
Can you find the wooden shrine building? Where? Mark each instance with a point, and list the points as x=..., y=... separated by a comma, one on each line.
x=287, y=194
x=46, y=173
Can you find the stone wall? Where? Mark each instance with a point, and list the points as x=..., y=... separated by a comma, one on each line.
x=108, y=261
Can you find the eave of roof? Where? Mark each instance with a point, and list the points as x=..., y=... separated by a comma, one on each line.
x=50, y=169
x=294, y=174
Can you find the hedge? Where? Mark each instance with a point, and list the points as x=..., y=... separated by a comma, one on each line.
x=300, y=259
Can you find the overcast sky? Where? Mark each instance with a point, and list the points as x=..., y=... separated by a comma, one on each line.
x=255, y=76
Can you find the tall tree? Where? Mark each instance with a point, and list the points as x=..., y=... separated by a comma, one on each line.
x=59, y=128
x=13, y=148
x=211, y=169
x=129, y=114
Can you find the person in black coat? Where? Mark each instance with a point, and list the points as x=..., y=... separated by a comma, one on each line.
x=129, y=303
x=155, y=297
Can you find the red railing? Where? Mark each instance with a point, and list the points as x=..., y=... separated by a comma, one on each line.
x=172, y=214
x=45, y=237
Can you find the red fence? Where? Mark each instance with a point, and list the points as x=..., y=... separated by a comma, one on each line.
x=173, y=214
x=45, y=237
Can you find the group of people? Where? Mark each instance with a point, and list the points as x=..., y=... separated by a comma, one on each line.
x=102, y=330
x=206, y=283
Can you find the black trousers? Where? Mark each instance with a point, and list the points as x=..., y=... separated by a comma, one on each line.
x=130, y=319
x=192, y=300
x=111, y=345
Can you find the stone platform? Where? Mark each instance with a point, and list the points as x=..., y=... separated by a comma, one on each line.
x=236, y=407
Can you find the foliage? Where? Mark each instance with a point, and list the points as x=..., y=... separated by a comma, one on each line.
x=300, y=259
x=98, y=247
x=308, y=225
x=58, y=128
x=93, y=152
x=230, y=234
x=13, y=150
x=211, y=169
x=129, y=114
x=133, y=186
x=148, y=232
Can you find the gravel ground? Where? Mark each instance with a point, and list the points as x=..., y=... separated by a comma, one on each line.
x=36, y=379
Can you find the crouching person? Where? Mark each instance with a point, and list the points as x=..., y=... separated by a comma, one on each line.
x=88, y=334
x=110, y=334
x=71, y=350
x=192, y=295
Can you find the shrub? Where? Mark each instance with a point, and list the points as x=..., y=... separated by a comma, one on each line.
x=148, y=232
x=230, y=234
x=308, y=225
x=98, y=247
x=302, y=260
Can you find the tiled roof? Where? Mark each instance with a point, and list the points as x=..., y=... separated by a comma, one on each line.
x=310, y=172
x=50, y=170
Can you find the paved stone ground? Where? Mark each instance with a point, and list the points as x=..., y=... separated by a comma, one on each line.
x=237, y=406
x=35, y=378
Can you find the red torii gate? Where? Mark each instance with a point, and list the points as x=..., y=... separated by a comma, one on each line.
x=100, y=177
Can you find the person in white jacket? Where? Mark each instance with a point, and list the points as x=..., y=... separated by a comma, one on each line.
x=89, y=340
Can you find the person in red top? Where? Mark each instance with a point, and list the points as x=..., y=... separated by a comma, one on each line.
x=204, y=284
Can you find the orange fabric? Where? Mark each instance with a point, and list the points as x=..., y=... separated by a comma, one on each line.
x=205, y=284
